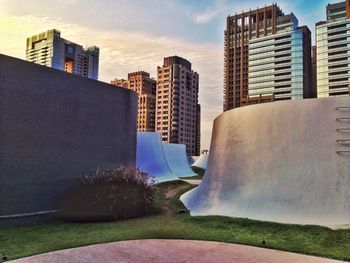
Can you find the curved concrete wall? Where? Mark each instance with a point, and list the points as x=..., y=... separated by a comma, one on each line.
x=53, y=127
x=176, y=157
x=192, y=159
x=150, y=157
x=279, y=162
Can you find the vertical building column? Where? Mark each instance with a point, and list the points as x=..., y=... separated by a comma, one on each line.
x=257, y=23
x=228, y=52
x=347, y=3
x=234, y=60
x=242, y=56
x=250, y=25
x=274, y=17
x=265, y=22
x=172, y=88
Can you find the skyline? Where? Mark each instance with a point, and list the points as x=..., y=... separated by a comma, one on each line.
x=135, y=35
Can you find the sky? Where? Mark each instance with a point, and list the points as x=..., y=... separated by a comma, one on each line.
x=137, y=34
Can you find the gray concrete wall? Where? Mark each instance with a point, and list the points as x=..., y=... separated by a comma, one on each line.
x=279, y=162
x=53, y=127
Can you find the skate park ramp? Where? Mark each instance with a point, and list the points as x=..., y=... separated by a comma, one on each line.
x=285, y=162
x=176, y=157
x=202, y=161
x=150, y=157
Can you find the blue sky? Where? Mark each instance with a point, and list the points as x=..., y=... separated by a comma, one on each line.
x=137, y=34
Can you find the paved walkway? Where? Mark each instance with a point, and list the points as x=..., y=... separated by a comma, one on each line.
x=193, y=181
x=154, y=251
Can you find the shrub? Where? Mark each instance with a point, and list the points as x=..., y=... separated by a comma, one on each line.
x=110, y=194
x=3, y=258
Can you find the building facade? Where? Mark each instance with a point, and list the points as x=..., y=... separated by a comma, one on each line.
x=120, y=83
x=314, y=69
x=145, y=87
x=49, y=49
x=178, y=111
x=333, y=51
x=267, y=58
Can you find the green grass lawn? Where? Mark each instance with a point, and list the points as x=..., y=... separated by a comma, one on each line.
x=168, y=220
x=199, y=171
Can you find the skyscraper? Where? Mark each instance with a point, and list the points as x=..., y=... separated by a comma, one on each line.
x=267, y=58
x=178, y=111
x=49, y=49
x=145, y=87
x=333, y=51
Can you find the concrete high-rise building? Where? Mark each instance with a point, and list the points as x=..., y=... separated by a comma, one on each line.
x=333, y=51
x=121, y=83
x=178, y=111
x=267, y=58
x=145, y=87
x=49, y=49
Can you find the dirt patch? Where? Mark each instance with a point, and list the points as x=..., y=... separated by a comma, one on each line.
x=171, y=192
x=167, y=210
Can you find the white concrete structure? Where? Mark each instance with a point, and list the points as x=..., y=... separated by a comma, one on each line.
x=150, y=157
x=176, y=157
x=192, y=159
x=283, y=161
x=202, y=161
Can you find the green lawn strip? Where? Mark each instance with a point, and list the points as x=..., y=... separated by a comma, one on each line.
x=167, y=222
x=199, y=171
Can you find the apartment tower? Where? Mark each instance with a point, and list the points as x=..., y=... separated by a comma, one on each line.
x=145, y=87
x=267, y=58
x=333, y=51
x=178, y=111
x=49, y=49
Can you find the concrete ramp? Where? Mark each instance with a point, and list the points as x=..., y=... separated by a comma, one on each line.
x=150, y=157
x=176, y=157
x=202, y=161
x=283, y=161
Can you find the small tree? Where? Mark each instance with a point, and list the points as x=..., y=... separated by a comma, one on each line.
x=109, y=194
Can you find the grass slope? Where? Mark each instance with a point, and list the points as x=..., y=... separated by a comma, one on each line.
x=168, y=220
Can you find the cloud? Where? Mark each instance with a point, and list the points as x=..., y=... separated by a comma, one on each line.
x=123, y=52
x=206, y=16
x=68, y=2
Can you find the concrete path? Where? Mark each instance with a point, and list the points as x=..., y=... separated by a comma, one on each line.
x=193, y=181
x=146, y=251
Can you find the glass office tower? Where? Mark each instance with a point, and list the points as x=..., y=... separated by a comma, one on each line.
x=267, y=58
x=333, y=51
